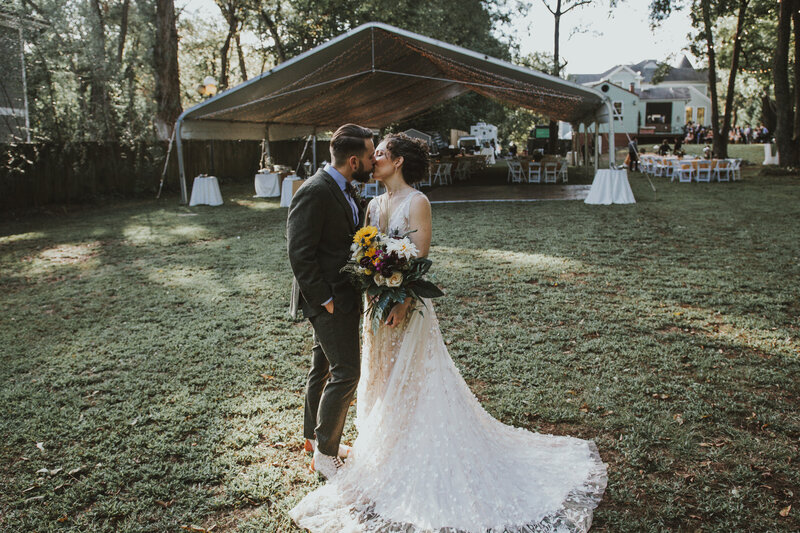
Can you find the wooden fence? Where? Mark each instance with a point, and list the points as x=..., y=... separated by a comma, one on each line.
x=49, y=173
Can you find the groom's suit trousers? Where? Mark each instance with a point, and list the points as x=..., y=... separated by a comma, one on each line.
x=333, y=379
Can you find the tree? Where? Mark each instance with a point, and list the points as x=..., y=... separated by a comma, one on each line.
x=562, y=7
x=165, y=66
x=232, y=10
x=752, y=99
x=703, y=13
x=785, y=133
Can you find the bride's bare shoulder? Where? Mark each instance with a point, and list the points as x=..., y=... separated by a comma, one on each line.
x=420, y=202
x=420, y=208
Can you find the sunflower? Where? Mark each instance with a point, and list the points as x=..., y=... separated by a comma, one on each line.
x=364, y=236
x=370, y=252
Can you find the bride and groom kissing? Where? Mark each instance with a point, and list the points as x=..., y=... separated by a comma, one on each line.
x=428, y=457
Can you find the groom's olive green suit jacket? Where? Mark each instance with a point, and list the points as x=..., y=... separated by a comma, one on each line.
x=320, y=230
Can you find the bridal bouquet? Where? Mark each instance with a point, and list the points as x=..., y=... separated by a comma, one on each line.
x=388, y=270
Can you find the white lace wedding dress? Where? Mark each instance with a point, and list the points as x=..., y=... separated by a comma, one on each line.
x=429, y=458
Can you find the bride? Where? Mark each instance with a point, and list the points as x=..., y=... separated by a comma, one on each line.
x=428, y=457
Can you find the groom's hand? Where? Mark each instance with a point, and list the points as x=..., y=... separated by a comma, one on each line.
x=329, y=307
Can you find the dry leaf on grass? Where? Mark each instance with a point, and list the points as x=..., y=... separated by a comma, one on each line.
x=785, y=511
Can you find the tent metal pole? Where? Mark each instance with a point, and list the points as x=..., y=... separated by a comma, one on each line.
x=268, y=159
x=181, y=168
x=372, y=38
x=596, y=146
x=586, y=144
x=611, y=148
x=314, y=151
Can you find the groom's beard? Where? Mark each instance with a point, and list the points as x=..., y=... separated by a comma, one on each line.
x=361, y=175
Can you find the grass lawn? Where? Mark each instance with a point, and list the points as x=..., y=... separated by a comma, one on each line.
x=151, y=379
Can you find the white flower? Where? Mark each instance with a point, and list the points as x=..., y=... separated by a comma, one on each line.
x=379, y=280
x=394, y=280
x=403, y=247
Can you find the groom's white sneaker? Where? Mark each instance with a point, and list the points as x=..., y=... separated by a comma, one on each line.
x=327, y=465
x=344, y=450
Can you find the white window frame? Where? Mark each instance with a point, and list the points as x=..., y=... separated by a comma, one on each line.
x=618, y=113
x=697, y=110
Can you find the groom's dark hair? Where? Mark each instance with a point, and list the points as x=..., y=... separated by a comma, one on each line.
x=349, y=140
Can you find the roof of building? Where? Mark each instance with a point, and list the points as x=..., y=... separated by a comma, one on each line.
x=683, y=72
x=665, y=93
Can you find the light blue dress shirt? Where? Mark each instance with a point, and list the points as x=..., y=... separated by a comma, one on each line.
x=341, y=181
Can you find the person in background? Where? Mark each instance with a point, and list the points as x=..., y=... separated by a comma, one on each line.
x=678, y=144
x=665, y=148
x=633, y=155
x=512, y=150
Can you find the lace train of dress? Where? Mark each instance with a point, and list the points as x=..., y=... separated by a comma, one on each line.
x=429, y=458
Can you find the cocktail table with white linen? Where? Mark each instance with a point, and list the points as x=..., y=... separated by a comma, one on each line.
x=205, y=191
x=610, y=187
x=268, y=185
x=287, y=190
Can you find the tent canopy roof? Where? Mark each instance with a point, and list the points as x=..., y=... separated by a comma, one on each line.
x=375, y=75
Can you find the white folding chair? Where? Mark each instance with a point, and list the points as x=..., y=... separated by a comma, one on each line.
x=644, y=164
x=515, y=172
x=550, y=172
x=534, y=172
x=704, y=169
x=684, y=171
x=562, y=171
x=736, y=169
x=722, y=172
x=448, y=176
x=669, y=167
x=462, y=170
x=660, y=168
x=442, y=174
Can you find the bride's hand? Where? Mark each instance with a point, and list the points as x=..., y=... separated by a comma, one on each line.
x=398, y=313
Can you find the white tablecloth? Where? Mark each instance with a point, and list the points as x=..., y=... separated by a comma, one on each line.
x=268, y=185
x=286, y=190
x=205, y=191
x=610, y=187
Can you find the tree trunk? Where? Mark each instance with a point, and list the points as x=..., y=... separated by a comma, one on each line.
x=783, y=99
x=722, y=152
x=165, y=61
x=796, y=134
x=553, y=126
x=242, y=66
x=123, y=30
x=273, y=31
x=100, y=107
x=720, y=144
x=229, y=12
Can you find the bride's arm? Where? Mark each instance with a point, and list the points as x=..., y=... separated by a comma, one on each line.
x=419, y=218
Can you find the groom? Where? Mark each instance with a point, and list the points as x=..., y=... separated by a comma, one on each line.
x=323, y=217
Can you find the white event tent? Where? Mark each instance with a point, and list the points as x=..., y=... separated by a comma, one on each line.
x=375, y=75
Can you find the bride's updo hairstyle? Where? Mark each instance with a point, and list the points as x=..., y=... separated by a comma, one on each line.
x=414, y=153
